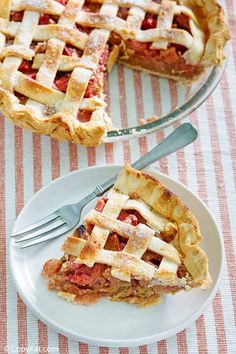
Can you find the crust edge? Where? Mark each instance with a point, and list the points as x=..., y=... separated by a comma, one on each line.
x=161, y=199
x=219, y=33
x=59, y=126
x=93, y=134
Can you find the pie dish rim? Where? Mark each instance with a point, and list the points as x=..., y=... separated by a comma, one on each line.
x=92, y=133
x=180, y=112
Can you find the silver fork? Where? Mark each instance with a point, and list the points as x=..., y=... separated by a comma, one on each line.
x=65, y=219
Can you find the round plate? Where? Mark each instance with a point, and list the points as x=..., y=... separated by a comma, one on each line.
x=107, y=323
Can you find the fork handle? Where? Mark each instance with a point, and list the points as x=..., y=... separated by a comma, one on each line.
x=178, y=139
x=185, y=134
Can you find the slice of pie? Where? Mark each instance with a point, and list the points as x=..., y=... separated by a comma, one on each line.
x=139, y=243
x=54, y=53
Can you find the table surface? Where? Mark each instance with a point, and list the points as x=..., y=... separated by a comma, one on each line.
x=208, y=167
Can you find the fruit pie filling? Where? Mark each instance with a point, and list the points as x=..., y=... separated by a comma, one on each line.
x=61, y=81
x=165, y=61
x=133, y=52
x=89, y=284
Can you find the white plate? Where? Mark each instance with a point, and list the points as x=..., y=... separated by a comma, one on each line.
x=107, y=323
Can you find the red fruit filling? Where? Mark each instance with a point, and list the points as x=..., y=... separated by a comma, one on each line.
x=161, y=61
x=181, y=21
x=63, y=2
x=85, y=276
x=21, y=98
x=62, y=82
x=149, y=22
x=113, y=243
x=17, y=16
x=26, y=69
x=45, y=19
x=84, y=116
x=128, y=217
x=89, y=284
x=100, y=205
x=123, y=13
x=94, y=86
x=91, y=7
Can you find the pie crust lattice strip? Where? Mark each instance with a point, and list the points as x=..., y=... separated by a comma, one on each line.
x=140, y=242
x=54, y=55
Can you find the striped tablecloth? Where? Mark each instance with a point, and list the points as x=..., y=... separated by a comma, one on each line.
x=208, y=167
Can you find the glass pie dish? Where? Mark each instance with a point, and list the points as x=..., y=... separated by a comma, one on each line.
x=141, y=104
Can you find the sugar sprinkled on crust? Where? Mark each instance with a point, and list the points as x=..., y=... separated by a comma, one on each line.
x=63, y=124
x=163, y=201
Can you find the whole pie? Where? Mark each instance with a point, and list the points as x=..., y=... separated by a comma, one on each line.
x=54, y=54
x=139, y=243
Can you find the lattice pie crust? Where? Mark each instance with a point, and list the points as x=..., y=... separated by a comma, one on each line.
x=159, y=253
x=54, y=55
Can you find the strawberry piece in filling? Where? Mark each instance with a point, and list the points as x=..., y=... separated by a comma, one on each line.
x=149, y=22
x=63, y=2
x=26, y=69
x=21, y=98
x=45, y=19
x=85, y=276
x=123, y=13
x=128, y=218
x=84, y=116
x=62, y=82
x=182, y=21
x=132, y=217
x=113, y=243
x=152, y=258
x=93, y=87
x=17, y=16
x=100, y=205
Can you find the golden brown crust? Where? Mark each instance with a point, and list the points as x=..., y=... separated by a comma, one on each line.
x=58, y=126
x=204, y=43
x=213, y=18
x=212, y=21
x=135, y=234
x=157, y=196
x=128, y=261
x=145, y=262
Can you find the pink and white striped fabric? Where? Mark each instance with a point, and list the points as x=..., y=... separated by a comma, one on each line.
x=208, y=167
